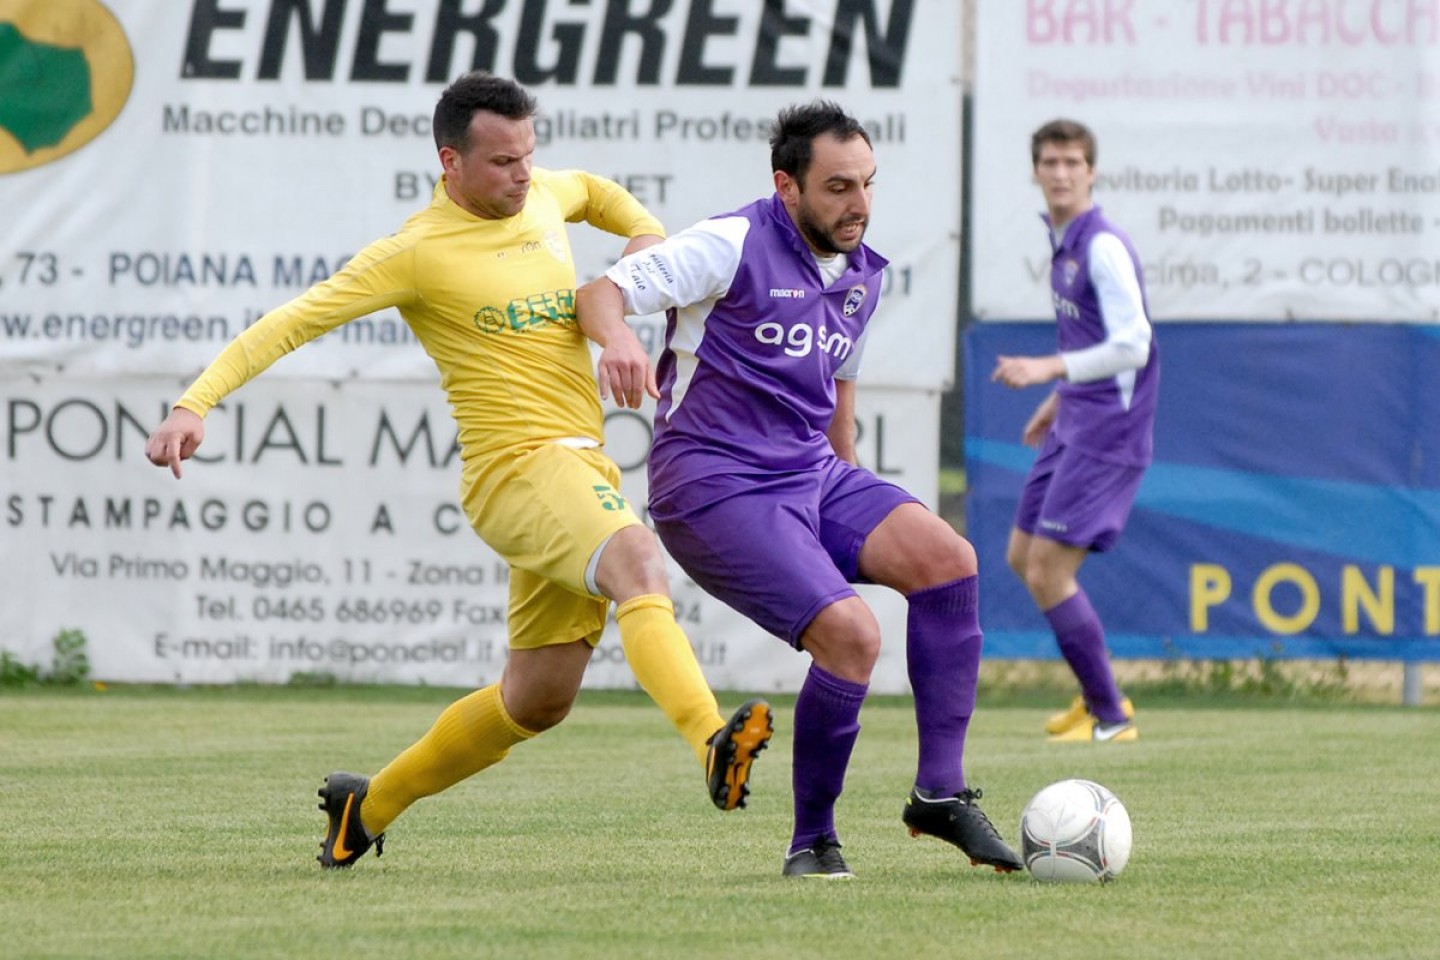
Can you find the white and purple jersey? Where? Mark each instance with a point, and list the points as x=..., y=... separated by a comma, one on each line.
x=754, y=340
x=1112, y=362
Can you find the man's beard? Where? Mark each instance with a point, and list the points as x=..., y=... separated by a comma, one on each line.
x=821, y=239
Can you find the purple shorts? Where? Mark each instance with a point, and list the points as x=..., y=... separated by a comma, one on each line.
x=781, y=549
x=1076, y=499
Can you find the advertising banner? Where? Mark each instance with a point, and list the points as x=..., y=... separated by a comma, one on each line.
x=1293, y=508
x=170, y=171
x=319, y=532
x=1271, y=159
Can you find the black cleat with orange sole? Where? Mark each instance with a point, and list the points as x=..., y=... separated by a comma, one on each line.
x=345, y=838
x=733, y=749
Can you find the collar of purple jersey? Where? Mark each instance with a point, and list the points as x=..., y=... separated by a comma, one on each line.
x=1073, y=229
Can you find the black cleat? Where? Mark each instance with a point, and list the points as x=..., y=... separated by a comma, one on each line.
x=959, y=821
x=733, y=749
x=345, y=839
x=822, y=861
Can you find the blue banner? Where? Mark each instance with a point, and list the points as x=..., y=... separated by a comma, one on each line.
x=1292, y=511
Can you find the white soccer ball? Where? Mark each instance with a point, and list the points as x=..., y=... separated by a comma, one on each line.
x=1075, y=831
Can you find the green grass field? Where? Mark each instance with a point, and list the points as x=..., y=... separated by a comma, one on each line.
x=182, y=823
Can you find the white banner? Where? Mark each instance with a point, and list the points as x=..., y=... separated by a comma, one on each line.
x=226, y=154
x=319, y=533
x=1271, y=159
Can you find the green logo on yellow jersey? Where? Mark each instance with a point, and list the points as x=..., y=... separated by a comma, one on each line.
x=526, y=313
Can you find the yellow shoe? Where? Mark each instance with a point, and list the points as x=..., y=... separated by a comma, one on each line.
x=1063, y=721
x=1066, y=719
x=1091, y=729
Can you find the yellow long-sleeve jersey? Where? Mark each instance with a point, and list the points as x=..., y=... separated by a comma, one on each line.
x=491, y=301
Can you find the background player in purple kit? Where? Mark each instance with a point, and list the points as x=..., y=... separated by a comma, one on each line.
x=753, y=485
x=1094, y=430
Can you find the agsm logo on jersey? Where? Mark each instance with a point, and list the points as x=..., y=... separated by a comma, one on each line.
x=73, y=62
x=800, y=339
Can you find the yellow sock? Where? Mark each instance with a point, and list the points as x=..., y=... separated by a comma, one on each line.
x=664, y=662
x=471, y=734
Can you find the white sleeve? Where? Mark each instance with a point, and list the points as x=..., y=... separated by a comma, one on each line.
x=850, y=369
x=695, y=265
x=1122, y=309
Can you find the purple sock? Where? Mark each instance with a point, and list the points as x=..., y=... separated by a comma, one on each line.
x=942, y=649
x=1082, y=644
x=827, y=721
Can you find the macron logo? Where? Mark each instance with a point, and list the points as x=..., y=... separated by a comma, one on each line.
x=786, y=293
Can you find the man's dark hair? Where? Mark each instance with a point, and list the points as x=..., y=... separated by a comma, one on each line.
x=473, y=92
x=1063, y=131
x=792, y=135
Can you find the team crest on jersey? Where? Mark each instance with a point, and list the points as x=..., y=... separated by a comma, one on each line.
x=554, y=244
x=1071, y=269
x=489, y=320
x=853, y=300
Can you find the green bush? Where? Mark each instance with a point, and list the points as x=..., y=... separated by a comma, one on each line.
x=69, y=664
x=14, y=673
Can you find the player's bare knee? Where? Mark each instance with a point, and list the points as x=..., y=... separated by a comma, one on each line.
x=1041, y=580
x=865, y=650
x=1033, y=574
x=853, y=660
x=956, y=559
x=939, y=560
x=539, y=713
x=844, y=639
x=632, y=565
x=1016, y=561
x=650, y=573
x=1017, y=556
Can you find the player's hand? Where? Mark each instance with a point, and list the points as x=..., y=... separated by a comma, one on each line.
x=175, y=440
x=1040, y=422
x=1035, y=430
x=624, y=371
x=1017, y=372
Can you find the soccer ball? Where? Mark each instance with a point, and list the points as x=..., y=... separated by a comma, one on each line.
x=1075, y=831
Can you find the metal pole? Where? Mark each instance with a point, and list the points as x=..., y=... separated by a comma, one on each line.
x=1412, y=685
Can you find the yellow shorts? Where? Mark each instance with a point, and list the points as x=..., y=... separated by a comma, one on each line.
x=546, y=510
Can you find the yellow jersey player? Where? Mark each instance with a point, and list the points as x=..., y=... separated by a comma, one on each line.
x=536, y=485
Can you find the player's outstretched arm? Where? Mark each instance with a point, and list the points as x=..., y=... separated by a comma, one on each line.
x=624, y=366
x=176, y=439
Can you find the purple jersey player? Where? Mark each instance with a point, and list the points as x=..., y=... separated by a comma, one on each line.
x=754, y=489
x=1094, y=430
